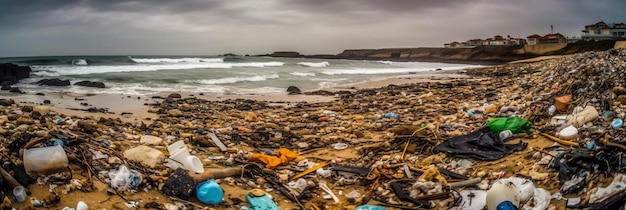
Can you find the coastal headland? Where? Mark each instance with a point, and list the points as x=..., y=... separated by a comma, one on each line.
x=474, y=55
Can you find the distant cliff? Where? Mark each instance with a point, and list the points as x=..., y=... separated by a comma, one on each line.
x=479, y=54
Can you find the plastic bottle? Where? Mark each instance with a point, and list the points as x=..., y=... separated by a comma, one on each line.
x=209, y=192
x=502, y=196
x=505, y=134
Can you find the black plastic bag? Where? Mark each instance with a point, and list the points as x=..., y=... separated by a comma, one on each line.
x=481, y=144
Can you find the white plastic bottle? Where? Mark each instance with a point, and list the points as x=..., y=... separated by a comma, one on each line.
x=503, y=196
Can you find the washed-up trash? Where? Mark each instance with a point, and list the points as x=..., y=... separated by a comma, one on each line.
x=567, y=133
x=513, y=124
x=45, y=160
x=370, y=207
x=390, y=115
x=472, y=200
x=179, y=153
x=259, y=200
x=209, y=192
x=179, y=184
x=599, y=193
x=20, y=194
x=81, y=206
x=298, y=185
x=581, y=116
x=562, y=103
x=505, y=134
x=574, y=163
x=617, y=123
x=283, y=157
x=516, y=193
x=145, y=155
x=124, y=178
x=340, y=146
x=481, y=144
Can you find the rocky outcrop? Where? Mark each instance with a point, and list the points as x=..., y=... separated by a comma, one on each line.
x=53, y=82
x=90, y=84
x=479, y=54
x=13, y=73
x=286, y=54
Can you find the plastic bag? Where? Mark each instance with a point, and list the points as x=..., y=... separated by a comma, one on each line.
x=514, y=124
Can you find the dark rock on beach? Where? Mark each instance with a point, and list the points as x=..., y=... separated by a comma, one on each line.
x=174, y=95
x=53, y=82
x=6, y=102
x=15, y=90
x=294, y=90
x=90, y=84
x=13, y=73
x=6, y=85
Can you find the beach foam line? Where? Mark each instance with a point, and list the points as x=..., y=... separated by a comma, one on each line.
x=82, y=70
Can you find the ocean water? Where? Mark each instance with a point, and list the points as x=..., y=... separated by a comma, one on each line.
x=146, y=75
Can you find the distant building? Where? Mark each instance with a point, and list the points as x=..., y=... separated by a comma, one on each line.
x=552, y=38
x=604, y=31
x=475, y=42
x=495, y=41
x=533, y=39
x=547, y=39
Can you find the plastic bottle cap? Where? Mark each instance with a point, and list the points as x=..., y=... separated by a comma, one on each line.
x=340, y=146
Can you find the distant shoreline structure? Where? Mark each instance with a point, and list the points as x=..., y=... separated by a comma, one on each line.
x=483, y=55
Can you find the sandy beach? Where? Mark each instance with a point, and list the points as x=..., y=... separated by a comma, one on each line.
x=384, y=124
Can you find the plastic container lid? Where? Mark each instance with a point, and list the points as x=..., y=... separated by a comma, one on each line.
x=569, y=132
x=340, y=146
x=209, y=192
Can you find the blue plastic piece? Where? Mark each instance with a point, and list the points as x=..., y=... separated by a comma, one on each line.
x=209, y=192
x=390, y=115
x=617, y=123
x=506, y=205
x=58, y=142
x=369, y=207
x=261, y=202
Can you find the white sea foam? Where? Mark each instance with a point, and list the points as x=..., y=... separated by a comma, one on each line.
x=230, y=80
x=80, y=70
x=303, y=74
x=386, y=62
x=311, y=64
x=177, y=60
x=385, y=70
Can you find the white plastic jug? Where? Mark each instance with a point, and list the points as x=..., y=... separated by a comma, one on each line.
x=502, y=196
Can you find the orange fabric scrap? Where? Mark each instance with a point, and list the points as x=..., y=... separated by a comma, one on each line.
x=271, y=161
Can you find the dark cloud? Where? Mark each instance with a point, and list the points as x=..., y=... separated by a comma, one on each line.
x=38, y=27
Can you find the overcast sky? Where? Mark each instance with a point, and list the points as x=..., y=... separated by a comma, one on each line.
x=209, y=27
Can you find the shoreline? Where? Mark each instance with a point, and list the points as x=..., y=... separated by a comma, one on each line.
x=133, y=108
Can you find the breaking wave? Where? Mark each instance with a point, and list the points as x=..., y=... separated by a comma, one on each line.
x=82, y=70
x=303, y=74
x=311, y=64
x=177, y=60
x=231, y=80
